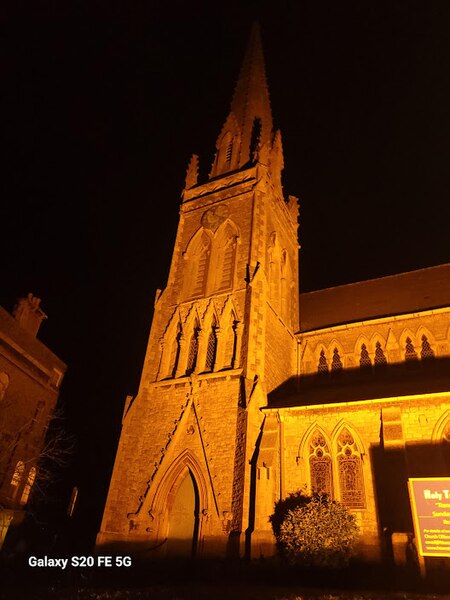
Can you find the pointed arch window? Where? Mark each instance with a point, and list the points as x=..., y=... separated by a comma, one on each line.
x=336, y=363
x=28, y=485
x=351, y=482
x=225, y=153
x=224, y=258
x=380, y=358
x=364, y=360
x=410, y=352
x=426, y=351
x=320, y=468
x=211, y=348
x=197, y=256
x=17, y=478
x=175, y=352
x=322, y=367
x=230, y=344
x=193, y=351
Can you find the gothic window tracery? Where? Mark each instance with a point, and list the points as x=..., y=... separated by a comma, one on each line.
x=364, y=360
x=336, y=363
x=380, y=358
x=193, y=351
x=322, y=366
x=224, y=258
x=320, y=465
x=427, y=350
x=211, y=348
x=225, y=153
x=349, y=462
x=197, y=269
x=410, y=352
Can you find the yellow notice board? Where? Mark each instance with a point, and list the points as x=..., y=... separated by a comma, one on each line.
x=430, y=504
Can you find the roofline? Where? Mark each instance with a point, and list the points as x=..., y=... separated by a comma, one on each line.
x=378, y=319
x=394, y=275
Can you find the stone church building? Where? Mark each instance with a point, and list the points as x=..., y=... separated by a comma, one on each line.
x=251, y=391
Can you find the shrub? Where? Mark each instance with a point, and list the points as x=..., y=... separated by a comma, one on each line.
x=316, y=532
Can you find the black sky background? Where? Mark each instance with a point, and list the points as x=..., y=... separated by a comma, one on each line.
x=103, y=104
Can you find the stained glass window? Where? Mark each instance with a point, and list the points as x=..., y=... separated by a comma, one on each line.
x=351, y=481
x=320, y=465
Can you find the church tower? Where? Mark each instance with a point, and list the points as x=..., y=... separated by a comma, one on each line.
x=222, y=337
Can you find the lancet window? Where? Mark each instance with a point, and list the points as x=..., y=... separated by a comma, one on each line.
x=427, y=350
x=410, y=352
x=193, y=351
x=336, y=363
x=320, y=465
x=211, y=348
x=322, y=367
x=197, y=255
x=351, y=480
x=28, y=485
x=364, y=360
x=224, y=258
x=380, y=358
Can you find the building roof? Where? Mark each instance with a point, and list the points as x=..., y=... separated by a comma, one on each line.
x=410, y=292
x=15, y=339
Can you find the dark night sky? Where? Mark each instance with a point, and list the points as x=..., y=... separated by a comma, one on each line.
x=103, y=104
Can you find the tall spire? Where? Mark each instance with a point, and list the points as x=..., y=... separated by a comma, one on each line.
x=248, y=126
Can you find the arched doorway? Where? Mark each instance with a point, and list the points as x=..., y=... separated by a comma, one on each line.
x=183, y=513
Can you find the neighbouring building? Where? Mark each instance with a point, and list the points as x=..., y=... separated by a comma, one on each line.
x=250, y=390
x=30, y=378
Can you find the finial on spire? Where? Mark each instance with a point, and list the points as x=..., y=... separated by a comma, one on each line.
x=192, y=172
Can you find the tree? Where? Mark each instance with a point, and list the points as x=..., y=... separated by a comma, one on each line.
x=37, y=450
x=314, y=530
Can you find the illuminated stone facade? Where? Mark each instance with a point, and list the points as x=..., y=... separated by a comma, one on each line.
x=249, y=390
x=30, y=378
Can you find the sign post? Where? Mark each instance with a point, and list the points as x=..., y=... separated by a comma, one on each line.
x=430, y=506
